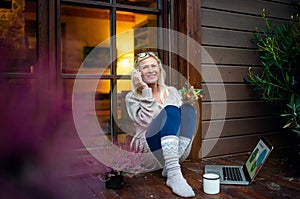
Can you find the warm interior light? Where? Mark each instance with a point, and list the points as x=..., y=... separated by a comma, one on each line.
x=124, y=66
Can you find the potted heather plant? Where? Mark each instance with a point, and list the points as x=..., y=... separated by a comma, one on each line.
x=121, y=160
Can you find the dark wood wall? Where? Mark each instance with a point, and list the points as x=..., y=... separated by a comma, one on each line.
x=227, y=27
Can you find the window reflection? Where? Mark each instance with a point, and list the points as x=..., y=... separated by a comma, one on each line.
x=123, y=122
x=122, y=88
x=138, y=38
x=102, y=99
x=82, y=29
x=102, y=105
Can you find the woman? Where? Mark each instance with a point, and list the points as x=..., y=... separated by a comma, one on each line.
x=164, y=124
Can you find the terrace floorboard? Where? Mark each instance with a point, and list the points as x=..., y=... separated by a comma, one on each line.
x=279, y=178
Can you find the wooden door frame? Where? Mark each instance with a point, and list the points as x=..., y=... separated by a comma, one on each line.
x=194, y=31
x=186, y=19
x=47, y=75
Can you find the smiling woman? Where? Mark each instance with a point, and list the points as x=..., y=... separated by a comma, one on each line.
x=164, y=124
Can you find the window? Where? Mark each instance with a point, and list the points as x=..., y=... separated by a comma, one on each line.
x=17, y=68
x=106, y=30
x=18, y=38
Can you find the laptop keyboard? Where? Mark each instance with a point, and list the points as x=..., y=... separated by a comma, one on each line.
x=232, y=173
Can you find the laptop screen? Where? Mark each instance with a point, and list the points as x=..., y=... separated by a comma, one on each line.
x=258, y=157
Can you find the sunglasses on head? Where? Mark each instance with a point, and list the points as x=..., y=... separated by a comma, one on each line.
x=144, y=54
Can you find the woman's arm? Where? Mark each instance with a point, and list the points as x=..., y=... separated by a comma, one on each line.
x=142, y=109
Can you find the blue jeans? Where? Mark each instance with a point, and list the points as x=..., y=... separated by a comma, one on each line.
x=171, y=121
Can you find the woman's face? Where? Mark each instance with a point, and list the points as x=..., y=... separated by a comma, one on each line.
x=150, y=70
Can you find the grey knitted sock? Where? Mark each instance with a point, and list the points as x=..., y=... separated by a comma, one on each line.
x=175, y=179
x=182, y=152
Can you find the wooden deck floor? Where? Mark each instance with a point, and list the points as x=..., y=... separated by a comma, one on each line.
x=279, y=178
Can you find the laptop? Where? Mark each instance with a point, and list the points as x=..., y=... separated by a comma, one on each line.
x=243, y=175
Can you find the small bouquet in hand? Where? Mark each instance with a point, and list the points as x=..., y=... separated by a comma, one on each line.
x=190, y=95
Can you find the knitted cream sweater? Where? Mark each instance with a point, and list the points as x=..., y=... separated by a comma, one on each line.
x=142, y=110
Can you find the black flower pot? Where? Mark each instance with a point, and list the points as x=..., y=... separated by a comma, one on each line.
x=114, y=182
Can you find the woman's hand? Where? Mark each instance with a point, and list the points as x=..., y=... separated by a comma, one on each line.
x=138, y=80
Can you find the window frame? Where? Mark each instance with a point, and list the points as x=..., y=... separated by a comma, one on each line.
x=113, y=77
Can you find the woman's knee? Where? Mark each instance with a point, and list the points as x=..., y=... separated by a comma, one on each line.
x=173, y=113
x=188, y=109
x=172, y=123
x=188, y=120
x=171, y=108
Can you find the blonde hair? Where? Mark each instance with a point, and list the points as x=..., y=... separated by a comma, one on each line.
x=162, y=87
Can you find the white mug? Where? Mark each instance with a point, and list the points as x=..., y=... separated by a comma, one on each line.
x=211, y=183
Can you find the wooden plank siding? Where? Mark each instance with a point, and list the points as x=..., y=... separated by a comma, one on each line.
x=226, y=31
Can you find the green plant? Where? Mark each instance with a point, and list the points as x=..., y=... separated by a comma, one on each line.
x=279, y=80
x=292, y=115
x=190, y=95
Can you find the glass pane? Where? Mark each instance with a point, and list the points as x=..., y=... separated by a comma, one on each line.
x=102, y=105
x=18, y=37
x=102, y=98
x=122, y=119
x=143, y=3
x=83, y=29
x=133, y=34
